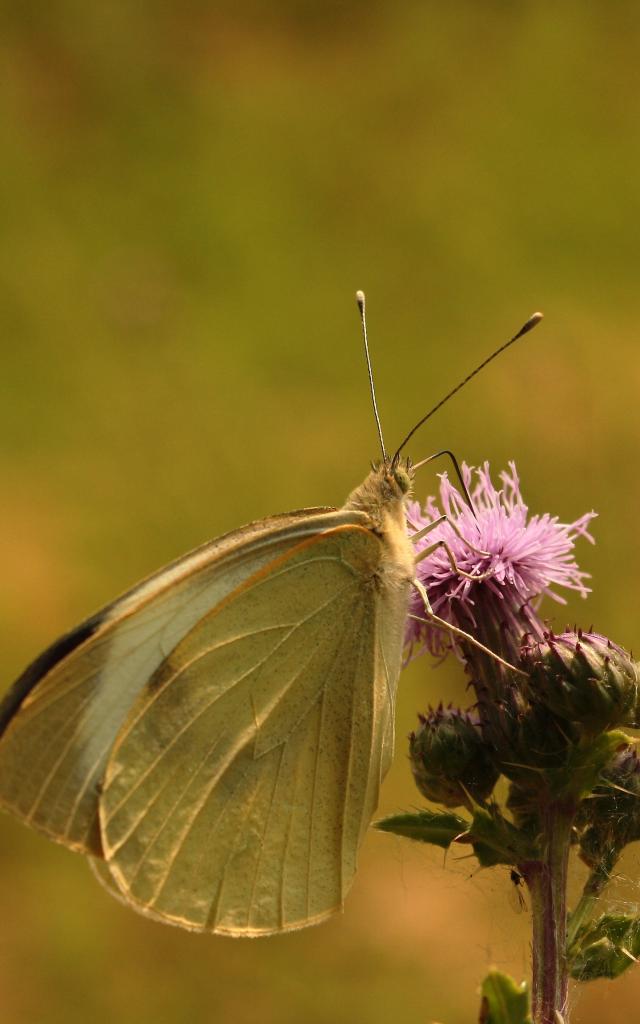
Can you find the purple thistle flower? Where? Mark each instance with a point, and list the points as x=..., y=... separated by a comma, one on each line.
x=528, y=557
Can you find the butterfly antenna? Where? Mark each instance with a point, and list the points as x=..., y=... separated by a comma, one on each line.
x=363, y=320
x=534, y=319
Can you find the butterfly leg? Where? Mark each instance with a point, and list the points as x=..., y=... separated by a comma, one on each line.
x=445, y=519
x=435, y=620
x=452, y=561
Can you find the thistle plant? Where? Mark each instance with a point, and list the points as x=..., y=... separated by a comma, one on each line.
x=539, y=766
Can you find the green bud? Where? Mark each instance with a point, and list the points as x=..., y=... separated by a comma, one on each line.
x=610, y=818
x=583, y=678
x=449, y=759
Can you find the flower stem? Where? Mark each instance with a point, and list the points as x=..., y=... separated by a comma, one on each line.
x=547, y=881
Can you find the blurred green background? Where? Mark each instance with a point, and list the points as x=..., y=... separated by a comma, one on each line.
x=192, y=192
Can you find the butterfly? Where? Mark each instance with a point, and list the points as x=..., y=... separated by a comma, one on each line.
x=215, y=739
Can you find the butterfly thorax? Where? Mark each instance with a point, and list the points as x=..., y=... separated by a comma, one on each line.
x=383, y=496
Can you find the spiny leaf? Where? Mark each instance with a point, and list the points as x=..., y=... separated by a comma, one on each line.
x=496, y=841
x=437, y=827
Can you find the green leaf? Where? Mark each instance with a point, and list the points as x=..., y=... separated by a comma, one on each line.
x=504, y=1001
x=437, y=827
x=606, y=948
x=496, y=841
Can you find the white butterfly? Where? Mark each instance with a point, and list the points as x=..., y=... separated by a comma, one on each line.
x=216, y=738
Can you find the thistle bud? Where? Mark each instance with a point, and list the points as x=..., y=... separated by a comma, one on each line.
x=583, y=678
x=535, y=745
x=611, y=817
x=449, y=760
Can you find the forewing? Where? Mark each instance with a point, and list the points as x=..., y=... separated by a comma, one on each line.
x=240, y=786
x=60, y=719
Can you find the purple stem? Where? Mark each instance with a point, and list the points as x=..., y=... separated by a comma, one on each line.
x=547, y=882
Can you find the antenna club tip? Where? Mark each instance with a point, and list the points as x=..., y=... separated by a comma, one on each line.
x=360, y=298
x=533, y=320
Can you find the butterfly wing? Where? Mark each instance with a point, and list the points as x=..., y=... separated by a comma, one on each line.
x=243, y=779
x=60, y=719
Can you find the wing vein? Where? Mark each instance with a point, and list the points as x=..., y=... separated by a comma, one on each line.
x=71, y=723
x=314, y=790
x=261, y=850
x=157, y=691
x=191, y=722
x=244, y=739
x=287, y=842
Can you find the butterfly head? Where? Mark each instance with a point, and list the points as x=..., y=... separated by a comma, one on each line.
x=385, y=489
x=393, y=479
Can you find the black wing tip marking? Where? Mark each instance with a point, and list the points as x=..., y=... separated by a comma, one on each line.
x=49, y=658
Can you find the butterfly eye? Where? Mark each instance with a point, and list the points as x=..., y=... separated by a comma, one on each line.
x=402, y=479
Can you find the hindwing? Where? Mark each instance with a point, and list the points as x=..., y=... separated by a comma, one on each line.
x=246, y=772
